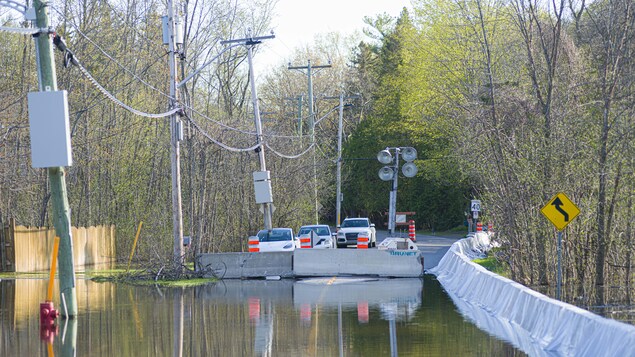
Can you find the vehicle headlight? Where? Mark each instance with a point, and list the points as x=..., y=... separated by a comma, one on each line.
x=340, y=234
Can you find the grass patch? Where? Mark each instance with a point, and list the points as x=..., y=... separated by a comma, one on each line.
x=29, y=275
x=119, y=275
x=95, y=274
x=140, y=281
x=151, y=276
x=494, y=265
x=183, y=283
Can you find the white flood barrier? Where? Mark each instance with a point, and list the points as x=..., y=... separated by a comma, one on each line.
x=533, y=322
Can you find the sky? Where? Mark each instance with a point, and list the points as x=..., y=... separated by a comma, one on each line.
x=296, y=22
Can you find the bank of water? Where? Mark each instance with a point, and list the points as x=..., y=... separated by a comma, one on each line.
x=313, y=317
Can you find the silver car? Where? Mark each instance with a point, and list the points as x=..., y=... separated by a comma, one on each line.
x=321, y=237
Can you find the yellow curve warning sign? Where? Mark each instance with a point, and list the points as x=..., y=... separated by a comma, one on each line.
x=560, y=211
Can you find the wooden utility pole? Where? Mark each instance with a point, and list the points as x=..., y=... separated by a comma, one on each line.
x=175, y=138
x=299, y=99
x=61, y=211
x=250, y=42
x=309, y=71
x=338, y=199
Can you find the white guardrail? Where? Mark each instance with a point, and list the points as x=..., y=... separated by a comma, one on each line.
x=533, y=322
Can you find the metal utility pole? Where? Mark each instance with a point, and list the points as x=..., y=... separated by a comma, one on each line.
x=391, y=172
x=250, y=42
x=176, y=133
x=309, y=72
x=61, y=210
x=392, y=209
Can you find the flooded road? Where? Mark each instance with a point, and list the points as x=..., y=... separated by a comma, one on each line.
x=311, y=317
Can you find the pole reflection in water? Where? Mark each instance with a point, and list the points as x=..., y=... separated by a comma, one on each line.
x=393, y=338
x=69, y=338
x=249, y=318
x=340, y=332
x=264, y=333
x=178, y=323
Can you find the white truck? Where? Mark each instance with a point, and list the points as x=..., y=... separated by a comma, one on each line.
x=351, y=228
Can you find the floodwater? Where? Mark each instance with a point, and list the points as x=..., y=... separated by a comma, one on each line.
x=311, y=317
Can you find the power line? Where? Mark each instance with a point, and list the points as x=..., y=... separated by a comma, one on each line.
x=289, y=156
x=224, y=146
x=111, y=58
x=228, y=127
x=235, y=149
x=105, y=92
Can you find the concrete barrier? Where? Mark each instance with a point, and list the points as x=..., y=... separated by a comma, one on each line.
x=338, y=262
x=247, y=265
x=313, y=262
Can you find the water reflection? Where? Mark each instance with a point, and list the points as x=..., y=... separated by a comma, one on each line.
x=313, y=317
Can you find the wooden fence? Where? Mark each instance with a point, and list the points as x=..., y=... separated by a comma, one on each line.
x=27, y=249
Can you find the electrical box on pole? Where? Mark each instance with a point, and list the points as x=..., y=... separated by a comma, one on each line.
x=49, y=129
x=262, y=187
x=178, y=30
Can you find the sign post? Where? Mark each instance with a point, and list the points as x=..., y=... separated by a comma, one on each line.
x=475, y=207
x=560, y=211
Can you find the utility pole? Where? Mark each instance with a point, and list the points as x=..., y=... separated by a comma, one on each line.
x=61, y=210
x=338, y=200
x=250, y=42
x=309, y=72
x=299, y=98
x=176, y=134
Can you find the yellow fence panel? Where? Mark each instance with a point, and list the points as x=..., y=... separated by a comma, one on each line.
x=91, y=246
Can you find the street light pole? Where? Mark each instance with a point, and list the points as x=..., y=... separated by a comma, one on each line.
x=391, y=172
x=392, y=210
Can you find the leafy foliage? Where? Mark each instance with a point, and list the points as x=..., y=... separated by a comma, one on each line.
x=438, y=192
